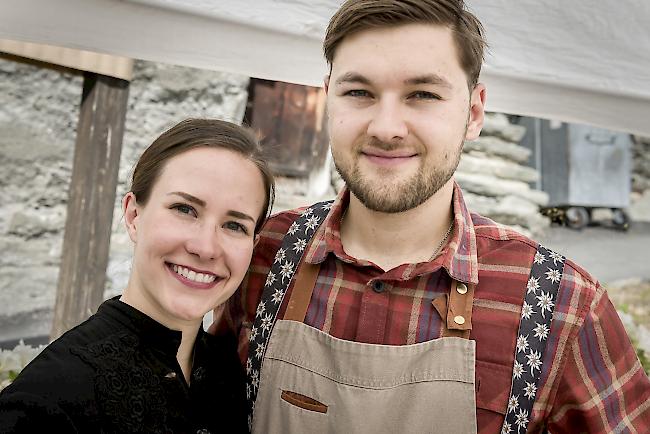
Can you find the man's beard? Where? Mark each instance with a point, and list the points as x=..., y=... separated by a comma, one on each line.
x=395, y=197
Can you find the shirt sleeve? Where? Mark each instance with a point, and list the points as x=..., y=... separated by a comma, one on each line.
x=603, y=387
x=28, y=413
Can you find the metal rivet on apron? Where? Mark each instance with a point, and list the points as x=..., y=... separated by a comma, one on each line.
x=461, y=288
x=458, y=319
x=378, y=286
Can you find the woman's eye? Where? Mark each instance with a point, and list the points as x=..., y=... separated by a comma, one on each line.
x=184, y=209
x=236, y=227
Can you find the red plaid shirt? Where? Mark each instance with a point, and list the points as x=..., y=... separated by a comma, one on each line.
x=592, y=380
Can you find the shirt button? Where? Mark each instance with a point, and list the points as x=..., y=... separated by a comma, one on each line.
x=461, y=288
x=458, y=319
x=378, y=286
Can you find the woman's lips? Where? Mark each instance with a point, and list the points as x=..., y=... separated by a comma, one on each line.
x=192, y=277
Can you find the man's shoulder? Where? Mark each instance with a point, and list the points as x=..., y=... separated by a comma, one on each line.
x=509, y=243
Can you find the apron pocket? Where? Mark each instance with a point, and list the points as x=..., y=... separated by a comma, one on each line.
x=303, y=401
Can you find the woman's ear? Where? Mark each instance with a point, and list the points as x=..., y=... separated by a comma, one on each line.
x=131, y=212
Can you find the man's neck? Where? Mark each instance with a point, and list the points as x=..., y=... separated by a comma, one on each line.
x=390, y=240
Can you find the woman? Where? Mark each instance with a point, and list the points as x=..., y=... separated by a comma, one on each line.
x=199, y=196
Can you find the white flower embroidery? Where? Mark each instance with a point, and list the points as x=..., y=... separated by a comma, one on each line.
x=253, y=335
x=522, y=343
x=270, y=279
x=255, y=380
x=286, y=270
x=267, y=321
x=545, y=302
x=533, y=285
x=539, y=258
x=530, y=390
x=260, y=308
x=522, y=419
x=299, y=245
x=279, y=257
x=518, y=369
x=506, y=428
x=308, y=212
x=327, y=206
x=534, y=361
x=248, y=391
x=541, y=331
x=557, y=258
x=311, y=223
x=249, y=366
x=293, y=228
x=277, y=296
x=259, y=352
x=513, y=403
x=553, y=275
x=527, y=310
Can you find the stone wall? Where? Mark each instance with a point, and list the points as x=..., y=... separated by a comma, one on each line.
x=39, y=109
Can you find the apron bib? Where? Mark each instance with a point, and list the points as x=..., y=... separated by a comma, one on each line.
x=313, y=382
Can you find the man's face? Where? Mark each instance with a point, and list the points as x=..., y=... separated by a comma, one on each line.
x=399, y=110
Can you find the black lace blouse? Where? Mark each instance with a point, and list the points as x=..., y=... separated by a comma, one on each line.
x=117, y=372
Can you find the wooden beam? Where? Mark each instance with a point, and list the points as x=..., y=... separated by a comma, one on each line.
x=82, y=274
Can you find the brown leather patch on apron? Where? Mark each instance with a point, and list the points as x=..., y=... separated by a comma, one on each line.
x=303, y=401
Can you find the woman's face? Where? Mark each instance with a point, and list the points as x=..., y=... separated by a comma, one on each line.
x=194, y=237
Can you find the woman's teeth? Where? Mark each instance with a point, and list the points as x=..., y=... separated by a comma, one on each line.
x=192, y=275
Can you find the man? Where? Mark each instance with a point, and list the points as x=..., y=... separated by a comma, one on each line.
x=395, y=309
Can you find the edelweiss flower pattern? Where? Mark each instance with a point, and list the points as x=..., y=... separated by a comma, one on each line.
x=284, y=266
x=534, y=329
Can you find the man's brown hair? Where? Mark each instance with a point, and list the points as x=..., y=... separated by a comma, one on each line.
x=357, y=15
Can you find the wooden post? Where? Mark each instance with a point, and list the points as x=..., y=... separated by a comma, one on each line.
x=82, y=274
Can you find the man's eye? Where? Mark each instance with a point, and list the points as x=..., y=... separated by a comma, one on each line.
x=357, y=93
x=184, y=209
x=236, y=227
x=424, y=95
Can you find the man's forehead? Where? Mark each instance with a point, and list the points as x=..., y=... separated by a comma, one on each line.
x=417, y=51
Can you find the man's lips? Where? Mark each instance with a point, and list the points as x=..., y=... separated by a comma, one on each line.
x=388, y=158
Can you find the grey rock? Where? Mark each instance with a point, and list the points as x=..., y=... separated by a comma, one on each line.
x=497, y=124
x=495, y=146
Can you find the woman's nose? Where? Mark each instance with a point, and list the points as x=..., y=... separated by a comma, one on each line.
x=205, y=243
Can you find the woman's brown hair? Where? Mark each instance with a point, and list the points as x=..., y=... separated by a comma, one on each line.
x=195, y=133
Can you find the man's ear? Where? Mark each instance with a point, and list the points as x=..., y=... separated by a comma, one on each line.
x=326, y=83
x=476, y=112
x=131, y=212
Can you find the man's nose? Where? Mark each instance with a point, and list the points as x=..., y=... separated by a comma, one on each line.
x=388, y=121
x=205, y=242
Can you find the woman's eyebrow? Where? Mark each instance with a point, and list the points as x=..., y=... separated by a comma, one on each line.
x=188, y=197
x=241, y=215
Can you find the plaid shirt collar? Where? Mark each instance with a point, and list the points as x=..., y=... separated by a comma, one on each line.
x=458, y=257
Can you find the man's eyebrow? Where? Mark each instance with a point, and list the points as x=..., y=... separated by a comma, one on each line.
x=434, y=79
x=241, y=215
x=352, y=77
x=188, y=197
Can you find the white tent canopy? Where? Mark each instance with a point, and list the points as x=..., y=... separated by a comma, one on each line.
x=579, y=61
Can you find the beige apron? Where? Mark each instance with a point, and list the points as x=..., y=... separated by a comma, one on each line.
x=312, y=382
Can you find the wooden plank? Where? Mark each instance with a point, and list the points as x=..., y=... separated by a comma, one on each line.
x=290, y=121
x=91, y=200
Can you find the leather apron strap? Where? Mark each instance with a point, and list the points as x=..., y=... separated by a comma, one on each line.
x=303, y=288
x=455, y=309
